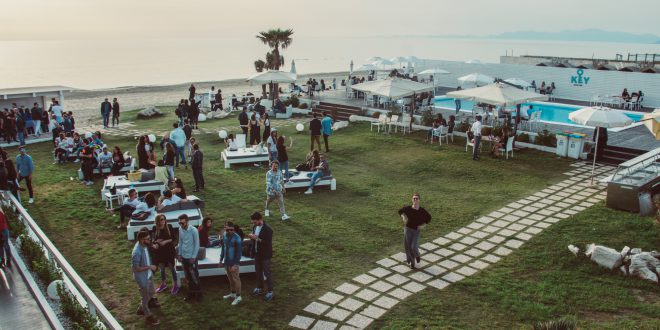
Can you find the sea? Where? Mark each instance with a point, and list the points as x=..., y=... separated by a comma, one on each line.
x=107, y=64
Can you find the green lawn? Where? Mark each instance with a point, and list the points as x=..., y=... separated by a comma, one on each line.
x=336, y=235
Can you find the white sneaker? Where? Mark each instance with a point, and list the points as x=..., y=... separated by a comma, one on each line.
x=285, y=217
x=266, y=213
x=77, y=160
x=308, y=191
x=31, y=201
x=90, y=183
x=229, y=296
x=236, y=301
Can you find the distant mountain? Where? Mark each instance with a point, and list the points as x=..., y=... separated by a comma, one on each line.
x=581, y=35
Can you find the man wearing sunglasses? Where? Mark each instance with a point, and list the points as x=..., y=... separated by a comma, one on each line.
x=414, y=218
x=230, y=256
x=187, y=254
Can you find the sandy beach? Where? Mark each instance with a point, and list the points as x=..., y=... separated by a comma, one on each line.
x=85, y=103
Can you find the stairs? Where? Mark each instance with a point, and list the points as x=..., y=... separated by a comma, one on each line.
x=339, y=112
x=616, y=155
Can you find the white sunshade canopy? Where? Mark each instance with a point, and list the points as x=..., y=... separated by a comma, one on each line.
x=382, y=62
x=652, y=122
x=434, y=71
x=476, y=79
x=392, y=87
x=473, y=61
x=600, y=116
x=518, y=81
x=497, y=94
x=374, y=59
x=272, y=76
x=399, y=59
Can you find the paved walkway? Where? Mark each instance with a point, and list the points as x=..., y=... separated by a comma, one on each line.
x=451, y=258
x=18, y=308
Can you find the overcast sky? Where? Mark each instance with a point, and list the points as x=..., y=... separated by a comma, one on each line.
x=82, y=19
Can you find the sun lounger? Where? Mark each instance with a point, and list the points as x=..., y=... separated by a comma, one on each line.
x=122, y=183
x=211, y=266
x=302, y=179
x=244, y=155
x=192, y=207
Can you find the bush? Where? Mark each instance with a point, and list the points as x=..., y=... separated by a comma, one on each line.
x=427, y=118
x=80, y=317
x=33, y=253
x=294, y=101
x=546, y=138
x=463, y=127
x=303, y=106
x=523, y=137
x=375, y=114
x=486, y=131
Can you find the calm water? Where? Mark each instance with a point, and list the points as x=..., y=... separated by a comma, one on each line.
x=115, y=63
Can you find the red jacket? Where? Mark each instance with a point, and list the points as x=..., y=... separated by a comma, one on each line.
x=3, y=222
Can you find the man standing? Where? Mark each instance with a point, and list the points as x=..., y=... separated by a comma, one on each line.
x=476, y=131
x=458, y=101
x=262, y=235
x=230, y=256
x=243, y=120
x=218, y=101
x=87, y=163
x=25, y=168
x=115, y=112
x=143, y=270
x=326, y=124
x=106, y=107
x=187, y=255
x=275, y=189
x=36, y=112
x=178, y=137
x=315, y=132
x=413, y=217
x=197, y=164
x=57, y=110
x=191, y=96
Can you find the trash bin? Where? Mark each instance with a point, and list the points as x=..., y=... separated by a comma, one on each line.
x=562, y=144
x=575, y=145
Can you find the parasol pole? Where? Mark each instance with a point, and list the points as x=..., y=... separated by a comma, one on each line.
x=593, y=167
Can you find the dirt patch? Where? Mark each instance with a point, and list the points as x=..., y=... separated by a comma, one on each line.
x=647, y=297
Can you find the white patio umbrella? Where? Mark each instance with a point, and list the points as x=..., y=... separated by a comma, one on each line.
x=351, y=66
x=382, y=62
x=599, y=117
x=498, y=94
x=652, y=122
x=434, y=71
x=473, y=61
x=394, y=88
x=272, y=77
x=399, y=59
x=374, y=59
x=476, y=79
x=517, y=81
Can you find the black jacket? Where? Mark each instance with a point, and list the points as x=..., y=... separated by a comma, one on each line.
x=243, y=118
x=263, y=249
x=115, y=107
x=315, y=127
x=197, y=160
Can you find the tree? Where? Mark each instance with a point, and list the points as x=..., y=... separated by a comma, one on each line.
x=259, y=66
x=276, y=39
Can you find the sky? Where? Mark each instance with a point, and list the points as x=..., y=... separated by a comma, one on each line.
x=98, y=19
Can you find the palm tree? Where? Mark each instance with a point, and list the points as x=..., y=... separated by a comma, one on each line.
x=276, y=39
x=259, y=66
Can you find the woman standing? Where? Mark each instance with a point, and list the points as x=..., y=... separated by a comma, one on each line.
x=168, y=159
x=283, y=157
x=255, y=137
x=143, y=155
x=163, y=241
x=118, y=161
x=266, y=123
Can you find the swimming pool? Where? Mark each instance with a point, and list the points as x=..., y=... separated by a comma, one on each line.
x=550, y=112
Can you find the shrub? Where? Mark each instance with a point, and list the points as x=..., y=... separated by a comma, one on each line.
x=486, y=131
x=463, y=127
x=34, y=256
x=303, y=106
x=294, y=101
x=546, y=138
x=80, y=316
x=523, y=137
x=427, y=118
x=375, y=114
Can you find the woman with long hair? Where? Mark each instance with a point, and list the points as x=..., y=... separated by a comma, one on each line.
x=283, y=156
x=266, y=123
x=204, y=230
x=12, y=178
x=255, y=137
x=163, y=238
x=168, y=159
x=143, y=155
x=178, y=189
x=118, y=161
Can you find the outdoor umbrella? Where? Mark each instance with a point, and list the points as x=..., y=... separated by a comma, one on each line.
x=394, y=88
x=374, y=59
x=272, y=77
x=476, y=79
x=652, y=122
x=599, y=117
x=434, y=71
x=497, y=94
x=399, y=59
x=473, y=61
x=382, y=62
x=518, y=82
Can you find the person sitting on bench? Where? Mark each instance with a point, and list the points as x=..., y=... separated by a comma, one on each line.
x=279, y=106
x=105, y=159
x=168, y=199
x=322, y=170
x=127, y=209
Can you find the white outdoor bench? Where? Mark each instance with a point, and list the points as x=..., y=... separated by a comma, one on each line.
x=302, y=179
x=128, y=166
x=122, y=183
x=192, y=207
x=244, y=155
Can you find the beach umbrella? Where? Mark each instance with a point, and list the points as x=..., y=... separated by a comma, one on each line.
x=272, y=76
x=518, y=82
x=351, y=66
x=399, y=59
x=599, y=117
x=652, y=122
x=374, y=59
x=382, y=62
x=497, y=94
x=476, y=79
x=394, y=88
x=293, y=67
x=434, y=71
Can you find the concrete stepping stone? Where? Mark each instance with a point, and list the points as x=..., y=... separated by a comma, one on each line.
x=452, y=277
x=338, y=314
x=413, y=287
x=399, y=293
x=301, y=322
x=367, y=294
x=360, y=321
x=324, y=325
x=386, y=302
x=351, y=304
x=316, y=308
x=373, y=312
x=381, y=286
x=438, y=284
x=435, y=270
x=347, y=288
x=331, y=298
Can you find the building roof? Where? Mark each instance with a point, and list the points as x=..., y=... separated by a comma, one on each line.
x=31, y=91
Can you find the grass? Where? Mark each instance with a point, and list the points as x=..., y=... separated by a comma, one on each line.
x=334, y=236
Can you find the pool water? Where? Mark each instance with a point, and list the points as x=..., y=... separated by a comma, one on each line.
x=550, y=112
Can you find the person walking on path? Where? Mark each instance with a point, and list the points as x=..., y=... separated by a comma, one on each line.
x=476, y=131
x=326, y=125
x=178, y=137
x=414, y=218
x=5, y=251
x=230, y=256
x=315, y=132
x=275, y=189
x=143, y=271
x=262, y=235
x=187, y=255
x=115, y=112
x=25, y=168
x=197, y=163
x=106, y=108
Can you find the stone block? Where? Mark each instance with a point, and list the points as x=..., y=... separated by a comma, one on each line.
x=301, y=322
x=338, y=314
x=351, y=304
x=399, y=293
x=386, y=302
x=381, y=286
x=347, y=288
x=373, y=312
x=438, y=284
x=414, y=287
x=364, y=279
x=324, y=325
x=604, y=256
x=331, y=298
x=367, y=295
x=360, y=321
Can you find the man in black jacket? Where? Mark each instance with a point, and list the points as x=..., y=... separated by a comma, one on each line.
x=196, y=163
x=106, y=108
x=243, y=120
x=413, y=217
x=262, y=248
x=315, y=132
x=115, y=112
x=36, y=117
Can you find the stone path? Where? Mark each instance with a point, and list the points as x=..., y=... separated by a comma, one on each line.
x=452, y=257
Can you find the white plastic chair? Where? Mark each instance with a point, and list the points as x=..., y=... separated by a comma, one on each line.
x=405, y=124
x=382, y=121
x=509, y=147
x=440, y=133
x=241, y=140
x=394, y=120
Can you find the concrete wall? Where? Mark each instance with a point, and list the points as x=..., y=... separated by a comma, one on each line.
x=534, y=60
x=599, y=83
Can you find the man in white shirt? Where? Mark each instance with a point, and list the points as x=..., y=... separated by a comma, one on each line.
x=187, y=254
x=57, y=110
x=476, y=130
x=169, y=199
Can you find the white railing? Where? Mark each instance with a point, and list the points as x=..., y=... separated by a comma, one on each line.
x=74, y=283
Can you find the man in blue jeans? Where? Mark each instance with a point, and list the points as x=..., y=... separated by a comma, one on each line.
x=106, y=107
x=262, y=248
x=178, y=137
x=322, y=170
